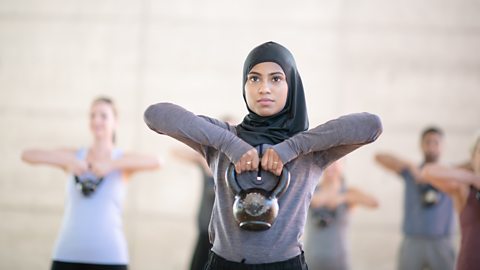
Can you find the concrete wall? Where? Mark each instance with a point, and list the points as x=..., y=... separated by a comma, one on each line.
x=414, y=63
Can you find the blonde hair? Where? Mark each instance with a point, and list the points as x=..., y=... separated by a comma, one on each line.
x=109, y=101
x=476, y=141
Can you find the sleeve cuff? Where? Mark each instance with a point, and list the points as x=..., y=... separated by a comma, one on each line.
x=235, y=152
x=285, y=152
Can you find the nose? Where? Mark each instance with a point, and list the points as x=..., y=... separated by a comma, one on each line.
x=264, y=88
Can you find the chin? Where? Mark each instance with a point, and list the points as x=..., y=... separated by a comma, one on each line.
x=265, y=113
x=98, y=134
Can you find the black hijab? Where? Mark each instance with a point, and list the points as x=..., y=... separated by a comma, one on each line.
x=293, y=118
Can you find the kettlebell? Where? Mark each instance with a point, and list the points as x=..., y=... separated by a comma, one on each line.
x=256, y=209
x=324, y=217
x=87, y=186
x=430, y=195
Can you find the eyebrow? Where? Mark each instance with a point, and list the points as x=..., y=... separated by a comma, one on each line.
x=270, y=74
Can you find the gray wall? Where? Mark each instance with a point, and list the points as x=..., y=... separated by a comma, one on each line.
x=413, y=63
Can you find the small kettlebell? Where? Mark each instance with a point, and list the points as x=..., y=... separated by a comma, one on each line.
x=256, y=209
x=87, y=186
x=324, y=217
x=430, y=195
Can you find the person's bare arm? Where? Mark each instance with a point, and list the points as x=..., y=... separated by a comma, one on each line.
x=392, y=163
x=192, y=157
x=354, y=197
x=317, y=199
x=440, y=174
x=129, y=163
x=61, y=158
x=453, y=181
x=467, y=165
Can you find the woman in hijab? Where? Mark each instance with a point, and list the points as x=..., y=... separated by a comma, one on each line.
x=273, y=135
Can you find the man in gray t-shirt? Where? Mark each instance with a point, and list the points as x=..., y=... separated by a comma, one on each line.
x=428, y=213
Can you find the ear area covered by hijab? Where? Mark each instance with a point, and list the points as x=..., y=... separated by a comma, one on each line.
x=293, y=118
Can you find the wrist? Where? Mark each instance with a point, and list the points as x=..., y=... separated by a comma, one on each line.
x=285, y=152
x=115, y=165
x=235, y=151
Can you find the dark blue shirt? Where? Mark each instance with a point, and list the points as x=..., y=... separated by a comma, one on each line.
x=422, y=221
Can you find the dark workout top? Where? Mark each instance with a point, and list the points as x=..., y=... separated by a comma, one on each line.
x=305, y=155
x=468, y=258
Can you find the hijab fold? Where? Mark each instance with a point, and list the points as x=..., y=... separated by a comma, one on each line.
x=293, y=118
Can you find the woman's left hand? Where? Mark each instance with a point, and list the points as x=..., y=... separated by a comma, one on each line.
x=101, y=168
x=271, y=162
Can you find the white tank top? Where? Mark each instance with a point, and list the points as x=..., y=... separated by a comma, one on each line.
x=92, y=230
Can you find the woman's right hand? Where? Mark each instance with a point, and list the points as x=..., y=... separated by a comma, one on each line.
x=248, y=162
x=77, y=167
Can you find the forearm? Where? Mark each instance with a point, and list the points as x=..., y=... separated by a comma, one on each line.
x=176, y=122
x=356, y=197
x=329, y=201
x=56, y=158
x=467, y=165
x=441, y=173
x=391, y=162
x=349, y=132
x=187, y=155
x=136, y=162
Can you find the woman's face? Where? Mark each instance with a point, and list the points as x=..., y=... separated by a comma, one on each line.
x=102, y=120
x=266, y=89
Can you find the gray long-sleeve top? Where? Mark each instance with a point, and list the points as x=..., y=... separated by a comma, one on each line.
x=305, y=155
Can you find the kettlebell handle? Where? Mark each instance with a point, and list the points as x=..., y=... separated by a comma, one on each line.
x=280, y=188
x=231, y=179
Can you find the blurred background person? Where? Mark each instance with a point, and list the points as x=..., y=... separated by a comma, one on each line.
x=428, y=219
x=203, y=245
x=326, y=236
x=463, y=186
x=91, y=236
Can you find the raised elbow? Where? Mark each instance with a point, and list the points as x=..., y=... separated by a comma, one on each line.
x=26, y=156
x=149, y=115
x=374, y=204
x=376, y=126
x=155, y=115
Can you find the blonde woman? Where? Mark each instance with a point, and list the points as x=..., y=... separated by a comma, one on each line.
x=91, y=236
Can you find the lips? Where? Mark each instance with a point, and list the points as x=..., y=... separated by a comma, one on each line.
x=265, y=101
